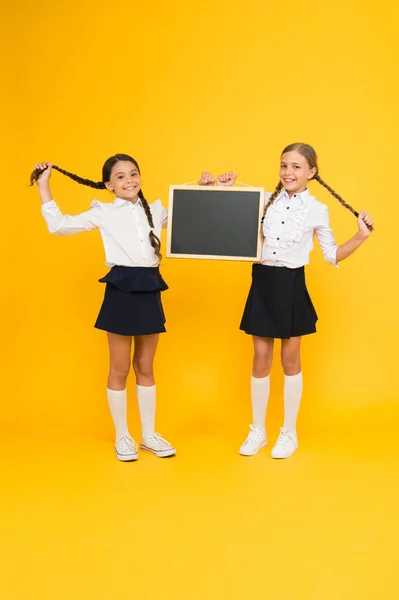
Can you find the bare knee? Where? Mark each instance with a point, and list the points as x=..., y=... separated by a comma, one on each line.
x=262, y=363
x=118, y=374
x=291, y=363
x=143, y=369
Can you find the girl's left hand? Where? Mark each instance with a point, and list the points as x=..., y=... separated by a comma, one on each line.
x=365, y=223
x=227, y=179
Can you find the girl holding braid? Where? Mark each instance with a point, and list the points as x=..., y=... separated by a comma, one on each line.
x=132, y=307
x=278, y=304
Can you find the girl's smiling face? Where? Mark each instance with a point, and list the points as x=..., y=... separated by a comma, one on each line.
x=295, y=172
x=125, y=180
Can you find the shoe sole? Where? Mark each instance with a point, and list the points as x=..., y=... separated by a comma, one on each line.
x=254, y=453
x=283, y=457
x=160, y=454
x=126, y=457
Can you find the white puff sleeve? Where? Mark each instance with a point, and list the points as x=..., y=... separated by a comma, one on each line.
x=326, y=238
x=60, y=224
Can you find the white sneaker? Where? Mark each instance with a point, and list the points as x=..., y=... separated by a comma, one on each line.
x=286, y=444
x=256, y=440
x=126, y=449
x=160, y=447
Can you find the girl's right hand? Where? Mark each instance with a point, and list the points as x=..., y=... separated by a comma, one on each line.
x=207, y=179
x=42, y=172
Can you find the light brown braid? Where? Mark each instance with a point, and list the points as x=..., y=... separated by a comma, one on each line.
x=338, y=197
x=272, y=198
x=334, y=193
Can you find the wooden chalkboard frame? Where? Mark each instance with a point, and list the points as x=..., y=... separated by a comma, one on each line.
x=215, y=191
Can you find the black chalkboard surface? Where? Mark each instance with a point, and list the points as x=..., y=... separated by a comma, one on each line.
x=217, y=222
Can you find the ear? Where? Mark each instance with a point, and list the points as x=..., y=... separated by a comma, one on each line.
x=312, y=173
x=109, y=186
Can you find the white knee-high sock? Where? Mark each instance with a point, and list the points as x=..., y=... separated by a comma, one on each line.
x=117, y=401
x=146, y=397
x=292, y=400
x=260, y=389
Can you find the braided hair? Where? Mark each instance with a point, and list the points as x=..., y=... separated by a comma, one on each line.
x=155, y=241
x=100, y=185
x=310, y=155
x=272, y=198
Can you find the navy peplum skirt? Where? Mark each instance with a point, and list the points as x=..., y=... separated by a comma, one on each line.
x=132, y=302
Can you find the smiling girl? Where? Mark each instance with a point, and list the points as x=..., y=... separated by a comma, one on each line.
x=130, y=229
x=278, y=304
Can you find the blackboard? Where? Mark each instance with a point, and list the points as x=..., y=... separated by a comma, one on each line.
x=219, y=222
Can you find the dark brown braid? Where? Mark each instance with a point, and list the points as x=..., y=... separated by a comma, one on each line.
x=155, y=241
x=98, y=186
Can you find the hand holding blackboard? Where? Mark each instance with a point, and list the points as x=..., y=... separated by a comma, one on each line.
x=227, y=179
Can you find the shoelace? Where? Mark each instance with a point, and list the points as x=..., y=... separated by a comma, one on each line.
x=159, y=441
x=253, y=436
x=284, y=438
x=127, y=444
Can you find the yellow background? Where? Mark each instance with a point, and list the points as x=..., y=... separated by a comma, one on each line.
x=185, y=87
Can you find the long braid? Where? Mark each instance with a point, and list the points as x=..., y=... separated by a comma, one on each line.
x=155, y=241
x=338, y=197
x=98, y=186
x=334, y=193
x=272, y=198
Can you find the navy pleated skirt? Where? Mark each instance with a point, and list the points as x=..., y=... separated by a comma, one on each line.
x=132, y=302
x=278, y=304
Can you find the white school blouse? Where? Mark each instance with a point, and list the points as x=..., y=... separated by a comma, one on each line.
x=123, y=227
x=289, y=228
